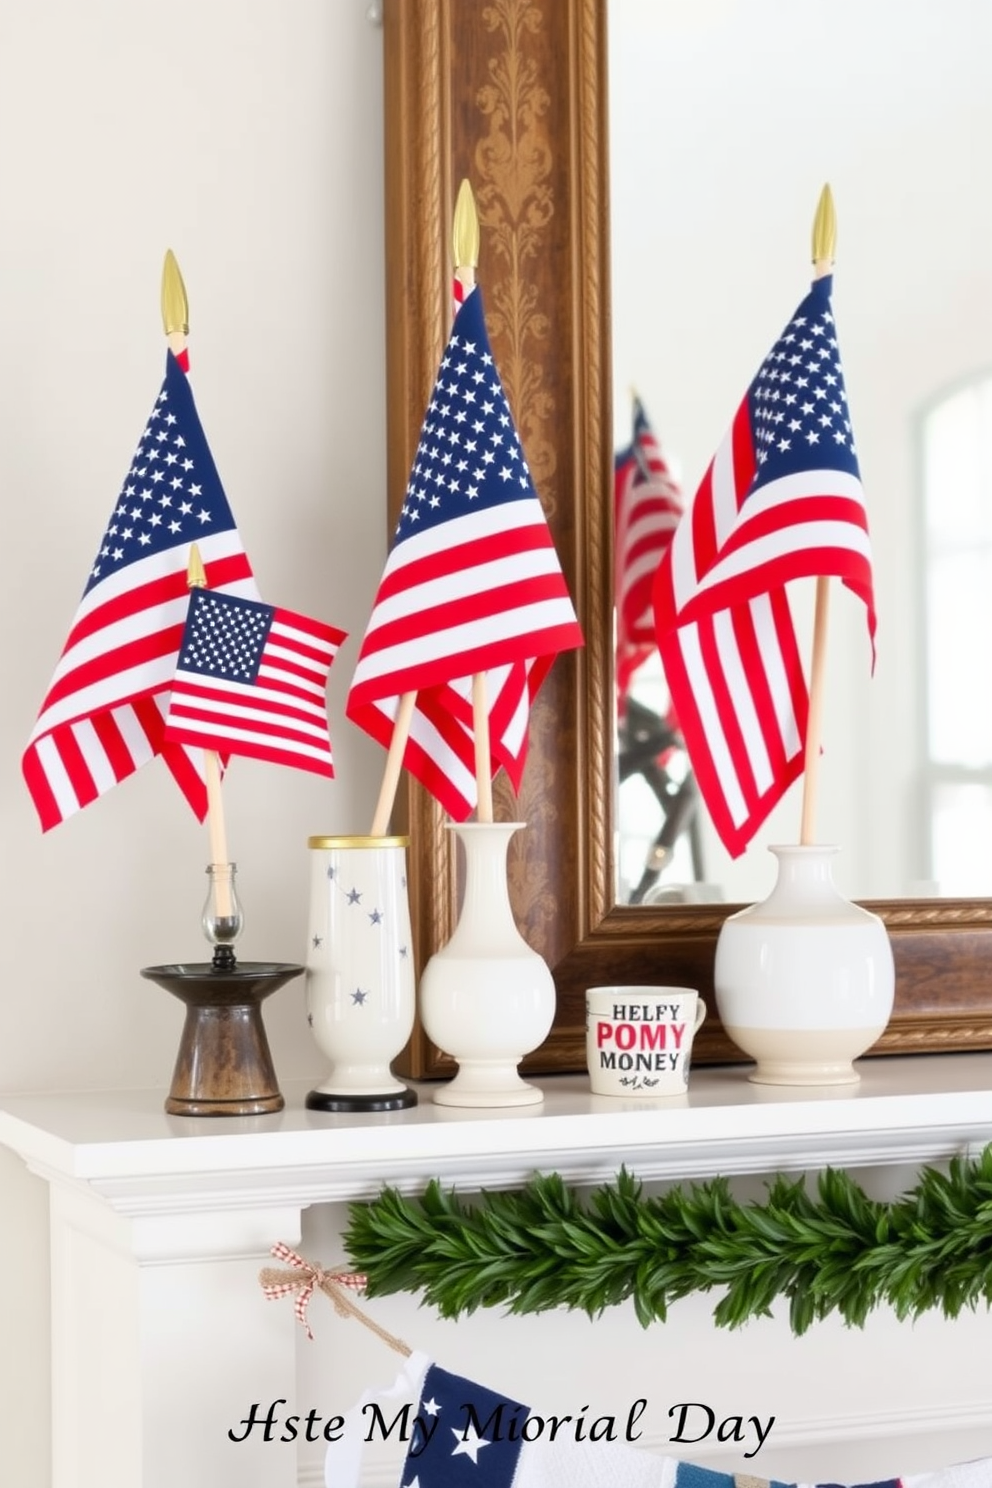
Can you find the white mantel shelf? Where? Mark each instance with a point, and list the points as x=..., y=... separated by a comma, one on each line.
x=122, y=1144
x=171, y=1218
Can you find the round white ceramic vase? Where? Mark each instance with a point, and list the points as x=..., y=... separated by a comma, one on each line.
x=361, y=986
x=804, y=980
x=486, y=998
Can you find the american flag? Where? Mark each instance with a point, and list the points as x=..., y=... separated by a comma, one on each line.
x=781, y=500
x=472, y=584
x=461, y=1434
x=647, y=507
x=251, y=680
x=103, y=716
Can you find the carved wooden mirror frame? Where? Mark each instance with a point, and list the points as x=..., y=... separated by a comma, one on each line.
x=512, y=95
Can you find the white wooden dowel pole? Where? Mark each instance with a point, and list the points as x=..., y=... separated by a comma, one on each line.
x=824, y=242
x=394, y=764
x=466, y=251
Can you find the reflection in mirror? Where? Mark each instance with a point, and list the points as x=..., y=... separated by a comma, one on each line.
x=725, y=120
x=660, y=842
x=956, y=460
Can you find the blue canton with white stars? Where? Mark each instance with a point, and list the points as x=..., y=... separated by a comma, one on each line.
x=224, y=636
x=462, y=1435
x=469, y=456
x=797, y=402
x=172, y=493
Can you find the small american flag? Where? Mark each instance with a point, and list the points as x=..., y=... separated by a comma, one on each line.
x=647, y=508
x=472, y=584
x=251, y=680
x=103, y=716
x=781, y=500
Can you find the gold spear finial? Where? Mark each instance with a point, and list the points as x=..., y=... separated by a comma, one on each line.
x=196, y=574
x=465, y=233
x=175, y=306
x=824, y=230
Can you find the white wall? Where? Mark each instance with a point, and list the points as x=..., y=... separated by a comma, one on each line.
x=247, y=136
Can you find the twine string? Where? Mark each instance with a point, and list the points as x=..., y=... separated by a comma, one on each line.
x=306, y=1277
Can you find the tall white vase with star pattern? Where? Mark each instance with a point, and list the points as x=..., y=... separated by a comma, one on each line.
x=361, y=989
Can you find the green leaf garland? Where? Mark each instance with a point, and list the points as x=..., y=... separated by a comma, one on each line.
x=833, y=1250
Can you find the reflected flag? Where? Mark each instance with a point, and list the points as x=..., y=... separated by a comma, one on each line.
x=647, y=504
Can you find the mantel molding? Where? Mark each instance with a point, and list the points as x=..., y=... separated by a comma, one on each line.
x=122, y=1149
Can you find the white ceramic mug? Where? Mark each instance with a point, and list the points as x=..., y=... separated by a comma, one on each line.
x=639, y=1039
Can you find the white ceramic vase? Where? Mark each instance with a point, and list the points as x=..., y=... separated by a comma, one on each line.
x=486, y=998
x=361, y=985
x=804, y=980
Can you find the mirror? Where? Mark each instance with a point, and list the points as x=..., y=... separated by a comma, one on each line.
x=513, y=95
x=725, y=117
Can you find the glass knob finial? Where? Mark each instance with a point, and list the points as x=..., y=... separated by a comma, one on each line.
x=222, y=919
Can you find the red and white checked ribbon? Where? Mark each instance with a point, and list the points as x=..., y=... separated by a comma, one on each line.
x=310, y=1279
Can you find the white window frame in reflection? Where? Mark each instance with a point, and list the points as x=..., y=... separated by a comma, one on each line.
x=956, y=447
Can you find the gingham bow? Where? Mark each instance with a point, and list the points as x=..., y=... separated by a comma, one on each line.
x=281, y=1284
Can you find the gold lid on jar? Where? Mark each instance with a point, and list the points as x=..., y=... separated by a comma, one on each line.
x=329, y=843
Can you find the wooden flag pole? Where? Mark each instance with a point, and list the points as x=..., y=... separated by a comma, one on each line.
x=466, y=246
x=480, y=733
x=824, y=243
x=175, y=321
x=394, y=765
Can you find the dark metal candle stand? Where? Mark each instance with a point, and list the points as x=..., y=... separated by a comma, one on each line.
x=224, y=1066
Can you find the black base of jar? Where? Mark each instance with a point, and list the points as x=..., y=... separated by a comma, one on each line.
x=396, y=1100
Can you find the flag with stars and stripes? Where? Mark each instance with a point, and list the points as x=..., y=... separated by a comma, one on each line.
x=460, y=1434
x=472, y=584
x=647, y=504
x=252, y=679
x=781, y=500
x=104, y=713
